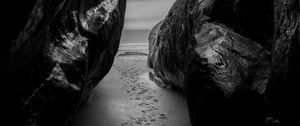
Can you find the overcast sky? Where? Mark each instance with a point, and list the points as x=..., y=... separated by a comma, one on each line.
x=144, y=14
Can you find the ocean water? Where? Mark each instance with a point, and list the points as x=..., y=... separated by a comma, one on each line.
x=135, y=36
x=141, y=16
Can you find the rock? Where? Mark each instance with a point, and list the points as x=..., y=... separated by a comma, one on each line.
x=50, y=67
x=283, y=87
x=180, y=41
x=250, y=18
x=204, y=48
x=152, y=41
x=218, y=52
x=227, y=77
x=254, y=19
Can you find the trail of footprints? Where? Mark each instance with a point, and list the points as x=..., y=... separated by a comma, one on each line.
x=146, y=112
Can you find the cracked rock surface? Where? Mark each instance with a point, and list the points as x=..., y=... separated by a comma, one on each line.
x=235, y=59
x=55, y=55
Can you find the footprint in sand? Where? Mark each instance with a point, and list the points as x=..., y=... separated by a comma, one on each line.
x=138, y=92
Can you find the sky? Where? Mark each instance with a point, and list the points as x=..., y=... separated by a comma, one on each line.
x=144, y=14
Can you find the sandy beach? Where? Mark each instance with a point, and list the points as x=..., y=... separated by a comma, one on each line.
x=126, y=96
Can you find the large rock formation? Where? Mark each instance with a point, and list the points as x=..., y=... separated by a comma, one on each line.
x=218, y=52
x=283, y=87
x=54, y=54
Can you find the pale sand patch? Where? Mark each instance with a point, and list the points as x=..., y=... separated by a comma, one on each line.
x=126, y=96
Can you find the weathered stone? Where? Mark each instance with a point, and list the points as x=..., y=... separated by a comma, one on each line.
x=212, y=50
x=283, y=87
x=152, y=41
x=226, y=79
x=181, y=38
x=63, y=52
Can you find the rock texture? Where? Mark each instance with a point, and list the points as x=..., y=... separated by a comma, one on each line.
x=152, y=39
x=283, y=87
x=185, y=38
x=219, y=52
x=54, y=56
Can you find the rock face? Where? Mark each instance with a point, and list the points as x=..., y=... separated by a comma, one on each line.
x=55, y=56
x=152, y=40
x=283, y=87
x=219, y=53
x=185, y=39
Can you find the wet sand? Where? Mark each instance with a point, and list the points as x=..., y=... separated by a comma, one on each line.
x=126, y=96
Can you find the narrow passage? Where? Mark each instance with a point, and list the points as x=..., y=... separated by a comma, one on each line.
x=126, y=96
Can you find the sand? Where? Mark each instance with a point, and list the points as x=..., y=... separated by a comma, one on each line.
x=126, y=96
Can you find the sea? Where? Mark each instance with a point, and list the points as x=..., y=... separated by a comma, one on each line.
x=135, y=36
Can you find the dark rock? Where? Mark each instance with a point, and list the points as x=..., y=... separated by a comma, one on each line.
x=217, y=51
x=227, y=78
x=213, y=51
x=152, y=41
x=283, y=87
x=50, y=67
x=250, y=18
x=186, y=37
x=254, y=19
